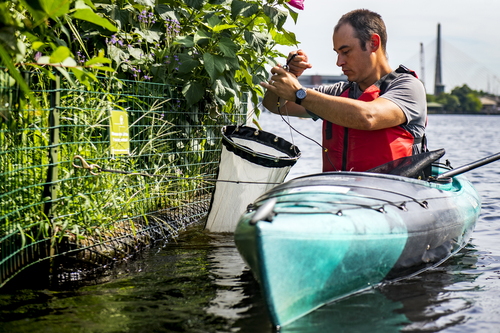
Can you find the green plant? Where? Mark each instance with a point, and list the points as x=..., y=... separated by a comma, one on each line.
x=215, y=50
x=28, y=28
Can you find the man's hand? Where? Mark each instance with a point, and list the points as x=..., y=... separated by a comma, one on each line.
x=283, y=83
x=299, y=63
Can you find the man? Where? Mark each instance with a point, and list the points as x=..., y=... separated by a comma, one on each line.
x=384, y=117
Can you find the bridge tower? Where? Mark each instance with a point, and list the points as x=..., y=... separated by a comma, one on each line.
x=438, y=83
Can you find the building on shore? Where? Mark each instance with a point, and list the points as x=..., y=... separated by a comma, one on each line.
x=433, y=107
x=310, y=81
x=490, y=105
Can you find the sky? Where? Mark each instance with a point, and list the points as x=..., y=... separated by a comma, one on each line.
x=469, y=29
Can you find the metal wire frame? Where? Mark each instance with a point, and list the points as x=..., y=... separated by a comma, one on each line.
x=48, y=209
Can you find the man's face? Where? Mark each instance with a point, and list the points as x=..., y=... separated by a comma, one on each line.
x=356, y=63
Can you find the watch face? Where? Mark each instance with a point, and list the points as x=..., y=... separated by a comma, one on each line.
x=301, y=93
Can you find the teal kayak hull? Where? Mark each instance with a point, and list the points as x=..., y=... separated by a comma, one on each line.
x=330, y=235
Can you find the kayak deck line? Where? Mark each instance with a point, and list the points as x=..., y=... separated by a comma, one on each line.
x=380, y=207
x=294, y=204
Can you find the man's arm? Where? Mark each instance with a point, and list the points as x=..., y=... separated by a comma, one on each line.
x=374, y=115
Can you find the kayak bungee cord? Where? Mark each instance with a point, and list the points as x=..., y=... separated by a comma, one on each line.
x=402, y=205
x=380, y=207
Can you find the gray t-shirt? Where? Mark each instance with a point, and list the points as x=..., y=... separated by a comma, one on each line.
x=405, y=91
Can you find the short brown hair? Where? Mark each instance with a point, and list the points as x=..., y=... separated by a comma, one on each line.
x=365, y=24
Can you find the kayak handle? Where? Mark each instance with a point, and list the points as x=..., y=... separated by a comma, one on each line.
x=265, y=212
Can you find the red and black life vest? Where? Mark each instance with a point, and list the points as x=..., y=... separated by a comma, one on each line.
x=358, y=150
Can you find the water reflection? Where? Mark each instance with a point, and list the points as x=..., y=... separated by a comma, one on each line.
x=238, y=295
x=227, y=268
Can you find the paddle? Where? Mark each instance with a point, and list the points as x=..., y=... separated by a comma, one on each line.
x=469, y=166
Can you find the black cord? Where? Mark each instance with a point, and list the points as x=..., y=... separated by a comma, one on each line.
x=325, y=150
x=96, y=170
x=183, y=178
x=305, y=136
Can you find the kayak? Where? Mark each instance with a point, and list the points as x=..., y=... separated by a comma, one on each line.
x=322, y=237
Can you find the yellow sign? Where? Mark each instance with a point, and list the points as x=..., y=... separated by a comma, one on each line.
x=119, y=137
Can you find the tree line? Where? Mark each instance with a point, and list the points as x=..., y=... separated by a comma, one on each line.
x=461, y=100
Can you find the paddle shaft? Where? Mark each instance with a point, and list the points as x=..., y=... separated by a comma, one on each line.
x=470, y=166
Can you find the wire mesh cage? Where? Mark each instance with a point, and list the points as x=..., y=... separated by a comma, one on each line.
x=49, y=209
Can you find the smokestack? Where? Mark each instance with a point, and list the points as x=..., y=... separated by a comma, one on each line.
x=438, y=83
x=422, y=64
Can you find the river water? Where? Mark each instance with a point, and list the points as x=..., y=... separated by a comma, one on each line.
x=200, y=284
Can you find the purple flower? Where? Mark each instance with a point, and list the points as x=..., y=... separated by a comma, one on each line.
x=81, y=57
x=299, y=4
x=113, y=40
x=38, y=55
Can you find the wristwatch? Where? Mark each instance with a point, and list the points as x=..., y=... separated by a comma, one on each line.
x=300, y=95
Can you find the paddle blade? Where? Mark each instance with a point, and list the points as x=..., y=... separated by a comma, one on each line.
x=410, y=166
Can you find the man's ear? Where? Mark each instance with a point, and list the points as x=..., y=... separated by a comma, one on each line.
x=375, y=42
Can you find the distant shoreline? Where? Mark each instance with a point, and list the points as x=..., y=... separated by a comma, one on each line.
x=463, y=114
